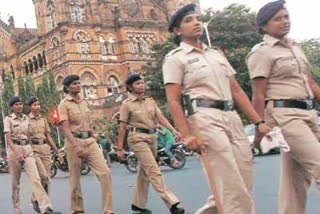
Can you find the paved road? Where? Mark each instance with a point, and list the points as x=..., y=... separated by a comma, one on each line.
x=189, y=184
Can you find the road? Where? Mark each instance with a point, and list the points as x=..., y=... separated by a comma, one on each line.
x=189, y=184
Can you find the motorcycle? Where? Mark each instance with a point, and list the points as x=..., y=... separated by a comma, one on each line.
x=131, y=161
x=55, y=165
x=4, y=166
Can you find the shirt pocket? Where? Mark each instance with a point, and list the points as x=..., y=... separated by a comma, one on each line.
x=285, y=67
x=196, y=72
x=75, y=116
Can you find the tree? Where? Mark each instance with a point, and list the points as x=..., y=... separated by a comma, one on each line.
x=8, y=91
x=29, y=86
x=312, y=50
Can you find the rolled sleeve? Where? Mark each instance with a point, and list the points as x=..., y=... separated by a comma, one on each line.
x=124, y=113
x=259, y=65
x=173, y=71
x=63, y=112
x=6, y=123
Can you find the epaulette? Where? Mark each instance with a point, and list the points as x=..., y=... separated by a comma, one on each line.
x=257, y=46
x=172, y=52
x=126, y=100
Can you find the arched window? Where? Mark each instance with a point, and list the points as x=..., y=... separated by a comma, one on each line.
x=55, y=43
x=44, y=57
x=40, y=61
x=30, y=65
x=110, y=46
x=51, y=16
x=89, y=84
x=113, y=85
x=77, y=11
x=82, y=38
x=12, y=72
x=35, y=63
x=26, y=68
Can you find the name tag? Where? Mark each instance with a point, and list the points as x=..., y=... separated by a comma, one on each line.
x=190, y=61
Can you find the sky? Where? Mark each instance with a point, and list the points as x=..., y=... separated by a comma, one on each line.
x=304, y=13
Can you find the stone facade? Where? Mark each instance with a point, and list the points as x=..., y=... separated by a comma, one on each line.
x=101, y=40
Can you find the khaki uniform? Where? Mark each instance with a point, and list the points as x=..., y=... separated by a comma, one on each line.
x=38, y=129
x=19, y=127
x=142, y=114
x=206, y=75
x=79, y=116
x=285, y=66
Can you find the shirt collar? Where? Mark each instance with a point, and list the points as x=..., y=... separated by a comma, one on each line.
x=70, y=98
x=273, y=40
x=14, y=116
x=135, y=98
x=189, y=48
x=32, y=116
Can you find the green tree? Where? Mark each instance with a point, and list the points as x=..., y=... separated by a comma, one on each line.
x=29, y=86
x=8, y=91
x=312, y=50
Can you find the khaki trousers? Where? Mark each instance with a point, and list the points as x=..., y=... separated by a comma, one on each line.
x=15, y=169
x=43, y=160
x=94, y=158
x=145, y=148
x=302, y=163
x=230, y=158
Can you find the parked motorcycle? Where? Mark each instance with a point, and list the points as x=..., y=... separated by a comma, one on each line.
x=162, y=159
x=4, y=166
x=55, y=165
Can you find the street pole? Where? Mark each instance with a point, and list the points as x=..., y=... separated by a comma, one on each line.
x=205, y=26
x=58, y=133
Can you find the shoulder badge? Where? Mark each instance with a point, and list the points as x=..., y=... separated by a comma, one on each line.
x=257, y=46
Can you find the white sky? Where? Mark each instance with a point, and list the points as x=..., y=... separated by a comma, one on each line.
x=304, y=13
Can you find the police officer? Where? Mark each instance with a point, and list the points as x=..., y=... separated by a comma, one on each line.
x=16, y=129
x=41, y=142
x=284, y=93
x=140, y=114
x=75, y=118
x=205, y=79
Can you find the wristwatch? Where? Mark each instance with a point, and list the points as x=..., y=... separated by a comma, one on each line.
x=257, y=124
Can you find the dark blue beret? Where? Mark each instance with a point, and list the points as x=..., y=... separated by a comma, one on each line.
x=132, y=78
x=32, y=100
x=268, y=11
x=178, y=16
x=14, y=100
x=69, y=79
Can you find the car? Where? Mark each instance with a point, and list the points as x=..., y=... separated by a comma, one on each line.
x=250, y=131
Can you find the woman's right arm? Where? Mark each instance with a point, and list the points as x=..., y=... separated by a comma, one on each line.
x=173, y=92
x=68, y=133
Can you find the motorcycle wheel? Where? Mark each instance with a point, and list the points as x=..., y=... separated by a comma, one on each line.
x=85, y=170
x=53, y=171
x=132, y=163
x=180, y=157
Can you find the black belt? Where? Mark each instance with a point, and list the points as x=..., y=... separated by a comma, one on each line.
x=20, y=142
x=300, y=104
x=38, y=141
x=141, y=130
x=225, y=105
x=82, y=135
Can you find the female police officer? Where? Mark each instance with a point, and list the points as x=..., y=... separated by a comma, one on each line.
x=75, y=117
x=283, y=93
x=16, y=128
x=141, y=114
x=41, y=143
x=206, y=80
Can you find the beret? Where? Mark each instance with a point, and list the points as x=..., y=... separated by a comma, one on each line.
x=14, y=100
x=268, y=11
x=69, y=79
x=32, y=100
x=132, y=78
x=178, y=16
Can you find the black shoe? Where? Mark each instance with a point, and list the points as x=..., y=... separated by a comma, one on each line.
x=35, y=206
x=138, y=210
x=50, y=211
x=176, y=210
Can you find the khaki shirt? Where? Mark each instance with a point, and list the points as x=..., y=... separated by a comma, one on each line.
x=18, y=127
x=38, y=127
x=77, y=113
x=201, y=74
x=139, y=113
x=285, y=66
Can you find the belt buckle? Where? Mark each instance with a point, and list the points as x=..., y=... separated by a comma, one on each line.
x=23, y=142
x=309, y=104
x=228, y=105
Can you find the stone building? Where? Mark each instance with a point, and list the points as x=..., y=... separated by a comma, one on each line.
x=100, y=40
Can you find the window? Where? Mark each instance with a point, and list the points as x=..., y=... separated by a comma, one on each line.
x=40, y=61
x=82, y=38
x=26, y=68
x=51, y=16
x=89, y=82
x=55, y=45
x=12, y=72
x=113, y=85
x=77, y=12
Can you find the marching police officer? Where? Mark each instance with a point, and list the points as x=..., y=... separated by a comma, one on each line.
x=205, y=79
x=140, y=114
x=16, y=129
x=284, y=93
x=41, y=142
x=75, y=117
